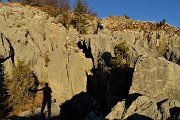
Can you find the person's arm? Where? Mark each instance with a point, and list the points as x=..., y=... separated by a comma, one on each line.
x=40, y=89
x=35, y=90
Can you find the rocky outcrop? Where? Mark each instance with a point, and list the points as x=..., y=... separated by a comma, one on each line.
x=173, y=54
x=46, y=46
x=155, y=76
x=118, y=23
x=154, y=91
x=65, y=59
x=139, y=107
x=148, y=43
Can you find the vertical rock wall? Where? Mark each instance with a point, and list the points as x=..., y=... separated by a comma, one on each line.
x=46, y=46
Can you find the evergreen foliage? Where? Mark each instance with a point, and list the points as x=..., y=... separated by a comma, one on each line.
x=64, y=11
x=79, y=20
x=17, y=85
x=121, y=56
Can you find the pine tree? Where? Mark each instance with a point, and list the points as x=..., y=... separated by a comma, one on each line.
x=64, y=6
x=80, y=10
x=18, y=83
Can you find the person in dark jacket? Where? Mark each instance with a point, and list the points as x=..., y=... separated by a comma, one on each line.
x=99, y=27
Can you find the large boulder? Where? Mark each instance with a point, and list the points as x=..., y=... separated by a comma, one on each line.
x=138, y=107
x=155, y=76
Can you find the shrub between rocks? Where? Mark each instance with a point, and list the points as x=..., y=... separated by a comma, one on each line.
x=17, y=85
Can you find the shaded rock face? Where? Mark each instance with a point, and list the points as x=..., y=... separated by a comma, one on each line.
x=173, y=54
x=106, y=87
x=77, y=108
x=152, y=74
x=151, y=44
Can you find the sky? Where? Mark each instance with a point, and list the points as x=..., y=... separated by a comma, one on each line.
x=148, y=10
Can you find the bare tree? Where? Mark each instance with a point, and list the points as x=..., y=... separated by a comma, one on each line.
x=65, y=4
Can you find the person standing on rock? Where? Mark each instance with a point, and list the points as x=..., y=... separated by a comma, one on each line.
x=46, y=99
x=99, y=27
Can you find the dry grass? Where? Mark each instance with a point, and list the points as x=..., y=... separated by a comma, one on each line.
x=52, y=11
x=91, y=17
x=32, y=105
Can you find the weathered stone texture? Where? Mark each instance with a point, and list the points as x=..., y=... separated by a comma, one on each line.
x=155, y=76
x=38, y=39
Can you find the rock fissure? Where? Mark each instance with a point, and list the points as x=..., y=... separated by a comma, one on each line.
x=70, y=82
x=148, y=106
x=34, y=42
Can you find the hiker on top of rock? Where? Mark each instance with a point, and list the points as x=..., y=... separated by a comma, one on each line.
x=99, y=26
x=46, y=99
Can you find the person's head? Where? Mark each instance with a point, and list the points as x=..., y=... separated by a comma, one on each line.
x=46, y=84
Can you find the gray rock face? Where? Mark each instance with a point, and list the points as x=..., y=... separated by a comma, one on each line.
x=148, y=43
x=173, y=54
x=155, y=76
x=142, y=43
x=38, y=39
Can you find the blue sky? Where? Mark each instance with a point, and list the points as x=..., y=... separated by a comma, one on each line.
x=149, y=10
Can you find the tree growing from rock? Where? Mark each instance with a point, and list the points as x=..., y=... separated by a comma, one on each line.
x=79, y=21
x=120, y=60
